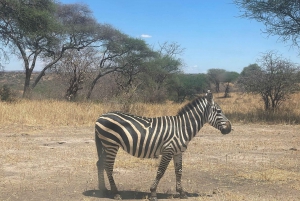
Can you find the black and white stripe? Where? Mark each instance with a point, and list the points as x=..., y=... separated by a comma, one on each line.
x=150, y=137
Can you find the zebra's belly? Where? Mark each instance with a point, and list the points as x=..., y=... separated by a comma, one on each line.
x=173, y=149
x=143, y=155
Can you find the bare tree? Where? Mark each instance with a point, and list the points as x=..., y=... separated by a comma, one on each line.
x=167, y=61
x=172, y=49
x=75, y=68
x=274, y=79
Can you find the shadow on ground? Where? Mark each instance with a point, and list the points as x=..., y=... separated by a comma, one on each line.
x=129, y=195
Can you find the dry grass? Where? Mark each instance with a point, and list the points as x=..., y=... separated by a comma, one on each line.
x=254, y=162
x=52, y=155
x=249, y=108
x=240, y=107
x=62, y=113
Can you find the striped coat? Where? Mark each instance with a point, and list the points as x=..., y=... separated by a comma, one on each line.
x=150, y=137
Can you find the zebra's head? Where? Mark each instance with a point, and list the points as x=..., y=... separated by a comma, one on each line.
x=216, y=118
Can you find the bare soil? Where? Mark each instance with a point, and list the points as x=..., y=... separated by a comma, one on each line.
x=253, y=162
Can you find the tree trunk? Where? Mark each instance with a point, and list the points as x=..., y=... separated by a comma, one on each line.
x=266, y=101
x=43, y=72
x=88, y=96
x=27, y=89
x=226, y=94
x=217, y=87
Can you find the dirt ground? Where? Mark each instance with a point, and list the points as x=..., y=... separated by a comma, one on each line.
x=253, y=162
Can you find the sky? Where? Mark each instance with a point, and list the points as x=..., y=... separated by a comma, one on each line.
x=210, y=31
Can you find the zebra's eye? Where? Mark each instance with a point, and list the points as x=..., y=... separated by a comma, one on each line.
x=219, y=111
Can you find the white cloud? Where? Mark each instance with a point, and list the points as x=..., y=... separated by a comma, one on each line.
x=145, y=36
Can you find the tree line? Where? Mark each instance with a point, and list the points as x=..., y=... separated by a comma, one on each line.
x=70, y=42
x=82, y=51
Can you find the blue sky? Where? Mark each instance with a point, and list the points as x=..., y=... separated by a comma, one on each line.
x=210, y=31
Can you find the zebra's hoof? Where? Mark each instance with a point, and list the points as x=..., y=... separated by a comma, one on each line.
x=153, y=199
x=117, y=197
x=102, y=193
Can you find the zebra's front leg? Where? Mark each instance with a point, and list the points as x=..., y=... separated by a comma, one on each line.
x=177, y=159
x=160, y=172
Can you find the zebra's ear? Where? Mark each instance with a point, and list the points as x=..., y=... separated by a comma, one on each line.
x=209, y=97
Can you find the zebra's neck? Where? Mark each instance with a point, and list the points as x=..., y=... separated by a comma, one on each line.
x=192, y=117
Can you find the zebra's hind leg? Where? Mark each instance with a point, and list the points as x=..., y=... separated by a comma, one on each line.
x=100, y=166
x=160, y=172
x=101, y=183
x=111, y=153
x=177, y=159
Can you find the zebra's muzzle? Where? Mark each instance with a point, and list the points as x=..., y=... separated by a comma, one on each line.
x=227, y=128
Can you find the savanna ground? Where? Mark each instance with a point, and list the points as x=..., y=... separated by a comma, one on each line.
x=48, y=153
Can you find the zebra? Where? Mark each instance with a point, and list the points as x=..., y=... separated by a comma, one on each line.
x=150, y=137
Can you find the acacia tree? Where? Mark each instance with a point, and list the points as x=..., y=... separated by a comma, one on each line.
x=216, y=76
x=229, y=77
x=23, y=29
x=120, y=53
x=250, y=69
x=274, y=79
x=166, y=63
x=156, y=77
x=45, y=30
x=280, y=17
x=187, y=86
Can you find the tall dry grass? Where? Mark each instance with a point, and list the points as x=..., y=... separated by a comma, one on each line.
x=63, y=113
x=249, y=108
x=242, y=108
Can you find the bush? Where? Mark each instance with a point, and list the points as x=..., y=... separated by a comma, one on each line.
x=6, y=94
x=275, y=80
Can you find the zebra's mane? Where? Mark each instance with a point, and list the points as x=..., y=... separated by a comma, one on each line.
x=189, y=106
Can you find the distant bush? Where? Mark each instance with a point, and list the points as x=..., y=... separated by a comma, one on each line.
x=6, y=94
